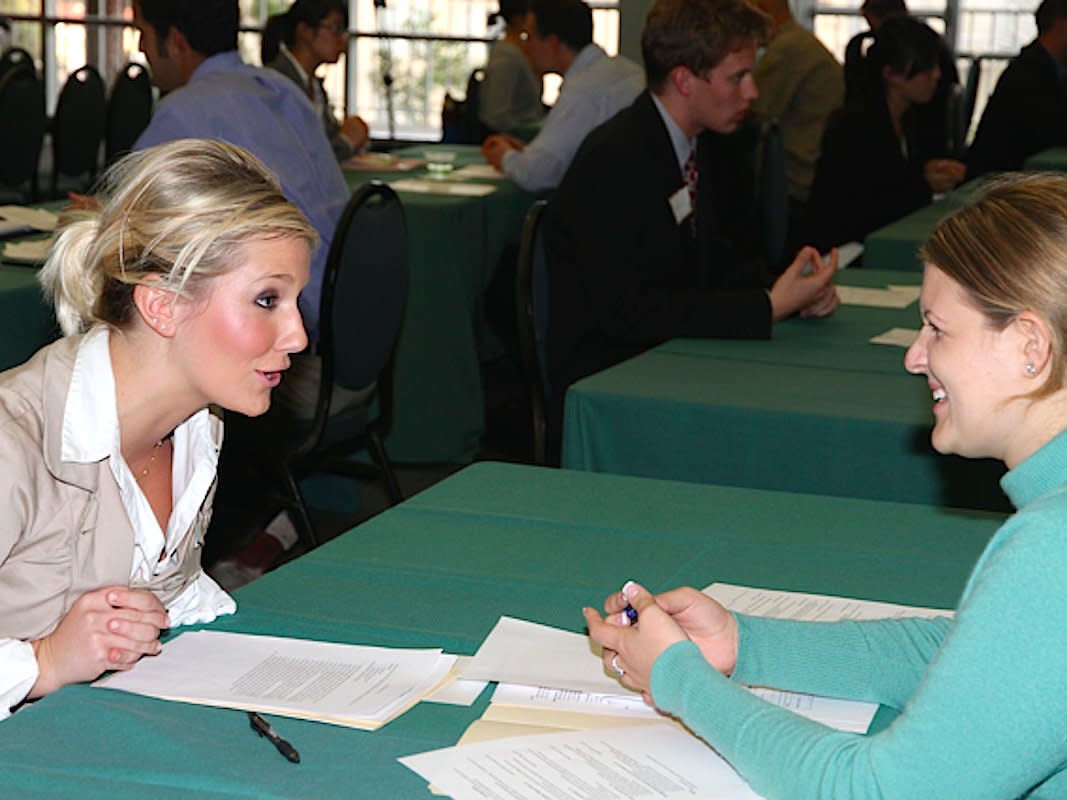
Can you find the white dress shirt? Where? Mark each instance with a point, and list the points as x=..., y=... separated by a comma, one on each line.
x=90, y=434
x=595, y=88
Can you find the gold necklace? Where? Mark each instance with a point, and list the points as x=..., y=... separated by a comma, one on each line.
x=155, y=451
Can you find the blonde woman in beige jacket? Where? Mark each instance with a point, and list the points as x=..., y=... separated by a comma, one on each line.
x=178, y=293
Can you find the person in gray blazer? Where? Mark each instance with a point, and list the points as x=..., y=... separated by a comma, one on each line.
x=179, y=292
x=296, y=43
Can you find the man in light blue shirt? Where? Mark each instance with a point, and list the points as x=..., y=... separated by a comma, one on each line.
x=191, y=46
x=595, y=88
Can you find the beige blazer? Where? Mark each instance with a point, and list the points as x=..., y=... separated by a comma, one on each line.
x=63, y=528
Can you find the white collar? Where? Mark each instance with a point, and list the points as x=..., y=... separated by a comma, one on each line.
x=683, y=145
x=90, y=416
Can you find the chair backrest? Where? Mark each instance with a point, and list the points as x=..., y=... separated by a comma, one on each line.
x=531, y=304
x=477, y=130
x=16, y=58
x=855, y=69
x=970, y=95
x=78, y=124
x=772, y=191
x=364, y=294
x=129, y=110
x=21, y=99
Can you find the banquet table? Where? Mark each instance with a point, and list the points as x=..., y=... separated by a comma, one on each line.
x=896, y=246
x=455, y=243
x=1052, y=160
x=437, y=571
x=28, y=322
x=816, y=409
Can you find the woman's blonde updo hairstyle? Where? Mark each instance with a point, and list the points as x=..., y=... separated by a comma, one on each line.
x=175, y=216
x=1008, y=250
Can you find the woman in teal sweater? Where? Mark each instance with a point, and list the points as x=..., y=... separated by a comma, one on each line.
x=982, y=697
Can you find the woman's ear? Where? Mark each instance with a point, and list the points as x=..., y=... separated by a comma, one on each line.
x=1036, y=342
x=157, y=307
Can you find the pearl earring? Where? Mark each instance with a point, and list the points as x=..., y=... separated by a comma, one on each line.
x=1031, y=370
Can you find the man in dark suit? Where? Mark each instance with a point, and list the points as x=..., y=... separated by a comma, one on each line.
x=635, y=255
x=1027, y=112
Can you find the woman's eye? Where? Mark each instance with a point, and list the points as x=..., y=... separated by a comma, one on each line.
x=267, y=301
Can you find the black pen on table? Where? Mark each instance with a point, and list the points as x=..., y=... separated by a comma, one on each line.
x=260, y=726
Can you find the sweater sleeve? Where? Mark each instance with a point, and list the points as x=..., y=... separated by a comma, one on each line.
x=987, y=720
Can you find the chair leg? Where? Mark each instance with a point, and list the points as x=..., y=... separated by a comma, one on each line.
x=381, y=458
x=298, y=505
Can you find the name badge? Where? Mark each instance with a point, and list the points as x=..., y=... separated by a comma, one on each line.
x=680, y=205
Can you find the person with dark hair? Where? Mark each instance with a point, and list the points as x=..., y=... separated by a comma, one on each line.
x=640, y=236
x=931, y=120
x=871, y=149
x=1027, y=112
x=315, y=32
x=511, y=90
x=191, y=47
x=595, y=87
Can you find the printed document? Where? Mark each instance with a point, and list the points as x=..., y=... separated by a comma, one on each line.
x=810, y=607
x=661, y=761
x=356, y=686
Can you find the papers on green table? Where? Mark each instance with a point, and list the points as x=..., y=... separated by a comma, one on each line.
x=20, y=219
x=32, y=252
x=661, y=761
x=356, y=686
x=897, y=337
x=889, y=297
x=443, y=187
x=810, y=607
x=479, y=172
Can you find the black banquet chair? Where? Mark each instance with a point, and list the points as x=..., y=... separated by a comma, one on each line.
x=531, y=304
x=78, y=126
x=16, y=58
x=21, y=99
x=364, y=294
x=129, y=110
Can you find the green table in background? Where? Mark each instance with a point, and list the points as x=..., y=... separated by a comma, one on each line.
x=439, y=570
x=817, y=409
x=1052, y=160
x=896, y=246
x=26, y=320
x=454, y=244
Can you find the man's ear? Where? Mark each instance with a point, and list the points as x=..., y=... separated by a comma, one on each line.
x=681, y=78
x=157, y=307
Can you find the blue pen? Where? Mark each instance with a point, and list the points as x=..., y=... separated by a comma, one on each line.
x=629, y=611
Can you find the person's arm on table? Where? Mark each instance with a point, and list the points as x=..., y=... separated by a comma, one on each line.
x=106, y=629
x=992, y=678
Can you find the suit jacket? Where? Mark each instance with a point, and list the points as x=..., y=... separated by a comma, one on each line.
x=63, y=528
x=1026, y=113
x=623, y=273
x=342, y=148
x=862, y=180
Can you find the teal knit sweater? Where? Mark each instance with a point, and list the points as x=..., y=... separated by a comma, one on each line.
x=983, y=698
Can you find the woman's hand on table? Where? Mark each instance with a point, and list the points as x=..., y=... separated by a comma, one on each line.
x=662, y=621
x=806, y=287
x=109, y=628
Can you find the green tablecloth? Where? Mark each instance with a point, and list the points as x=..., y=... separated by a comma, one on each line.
x=455, y=244
x=896, y=246
x=26, y=320
x=1052, y=160
x=816, y=409
x=438, y=571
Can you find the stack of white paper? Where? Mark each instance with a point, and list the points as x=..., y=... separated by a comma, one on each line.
x=356, y=686
x=19, y=219
x=445, y=187
x=889, y=297
x=810, y=607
